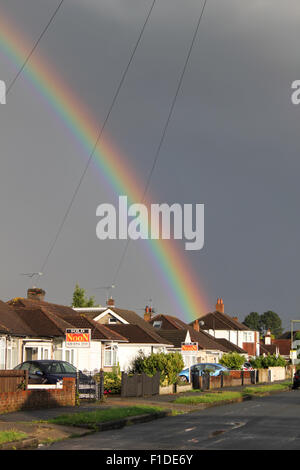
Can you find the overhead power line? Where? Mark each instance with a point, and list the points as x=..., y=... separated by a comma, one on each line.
x=34, y=47
x=164, y=131
x=98, y=139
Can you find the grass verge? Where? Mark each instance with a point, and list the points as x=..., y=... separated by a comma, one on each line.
x=92, y=418
x=214, y=397
x=217, y=397
x=11, y=436
x=263, y=389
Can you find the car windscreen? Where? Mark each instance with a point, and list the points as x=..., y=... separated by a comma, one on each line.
x=69, y=368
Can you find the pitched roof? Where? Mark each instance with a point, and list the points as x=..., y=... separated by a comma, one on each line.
x=284, y=346
x=204, y=340
x=287, y=334
x=221, y=321
x=168, y=322
x=42, y=323
x=62, y=310
x=10, y=322
x=136, y=334
x=98, y=331
x=40, y=318
x=231, y=347
x=268, y=348
x=174, y=336
x=131, y=318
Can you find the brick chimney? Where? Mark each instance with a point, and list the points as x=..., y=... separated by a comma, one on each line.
x=110, y=302
x=35, y=293
x=196, y=325
x=148, y=313
x=220, y=306
x=235, y=318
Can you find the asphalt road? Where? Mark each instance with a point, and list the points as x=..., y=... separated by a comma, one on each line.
x=269, y=423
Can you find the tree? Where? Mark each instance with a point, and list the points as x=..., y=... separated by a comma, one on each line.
x=271, y=321
x=252, y=321
x=267, y=321
x=80, y=300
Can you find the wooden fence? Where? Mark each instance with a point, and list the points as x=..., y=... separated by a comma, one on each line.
x=13, y=380
x=139, y=385
x=233, y=379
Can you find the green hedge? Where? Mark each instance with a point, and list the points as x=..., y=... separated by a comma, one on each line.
x=233, y=360
x=263, y=362
x=168, y=365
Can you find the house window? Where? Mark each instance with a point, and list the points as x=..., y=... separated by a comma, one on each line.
x=112, y=320
x=110, y=356
x=61, y=353
x=157, y=324
x=2, y=353
x=69, y=354
x=12, y=354
x=248, y=337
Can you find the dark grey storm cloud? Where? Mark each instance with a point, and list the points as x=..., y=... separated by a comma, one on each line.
x=232, y=144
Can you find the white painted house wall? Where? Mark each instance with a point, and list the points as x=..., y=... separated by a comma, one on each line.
x=89, y=359
x=234, y=336
x=128, y=352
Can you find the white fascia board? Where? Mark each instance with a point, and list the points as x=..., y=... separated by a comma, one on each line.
x=149, y=344
x=89, y=309
x=111, y=312
x=188, y=337
x=115, y=341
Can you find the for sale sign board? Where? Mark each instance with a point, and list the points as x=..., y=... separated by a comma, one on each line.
x=189, y=347
x=78, y=338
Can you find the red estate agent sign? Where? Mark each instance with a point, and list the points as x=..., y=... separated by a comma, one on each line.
x=189, y=347
x=78, y=338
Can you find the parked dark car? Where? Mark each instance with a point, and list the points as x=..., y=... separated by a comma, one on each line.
x=296, y=380
x=48, y=371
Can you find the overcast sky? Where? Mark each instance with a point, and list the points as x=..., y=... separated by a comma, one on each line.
x=232, y=144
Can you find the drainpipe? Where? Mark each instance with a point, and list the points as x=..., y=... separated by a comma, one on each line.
x=8, y=338
x=5, y=361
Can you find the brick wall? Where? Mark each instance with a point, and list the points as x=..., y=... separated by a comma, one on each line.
x=35, y=399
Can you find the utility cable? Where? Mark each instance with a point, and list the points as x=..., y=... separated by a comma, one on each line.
x=34, y=47
x=164, y=132
x=98, y=139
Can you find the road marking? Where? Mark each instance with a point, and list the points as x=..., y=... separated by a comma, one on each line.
x=190, y=429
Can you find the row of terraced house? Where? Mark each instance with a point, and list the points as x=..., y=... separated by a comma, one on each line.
x=32, y=328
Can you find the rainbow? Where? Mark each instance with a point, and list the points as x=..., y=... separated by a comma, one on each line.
x=181, y=283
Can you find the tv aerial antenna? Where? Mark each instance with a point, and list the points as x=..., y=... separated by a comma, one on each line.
x=107, y=288
x=32, y=275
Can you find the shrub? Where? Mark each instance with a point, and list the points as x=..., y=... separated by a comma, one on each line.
x=232, y=360
x=263, y=362
x=168, y=365
x=112, y=381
